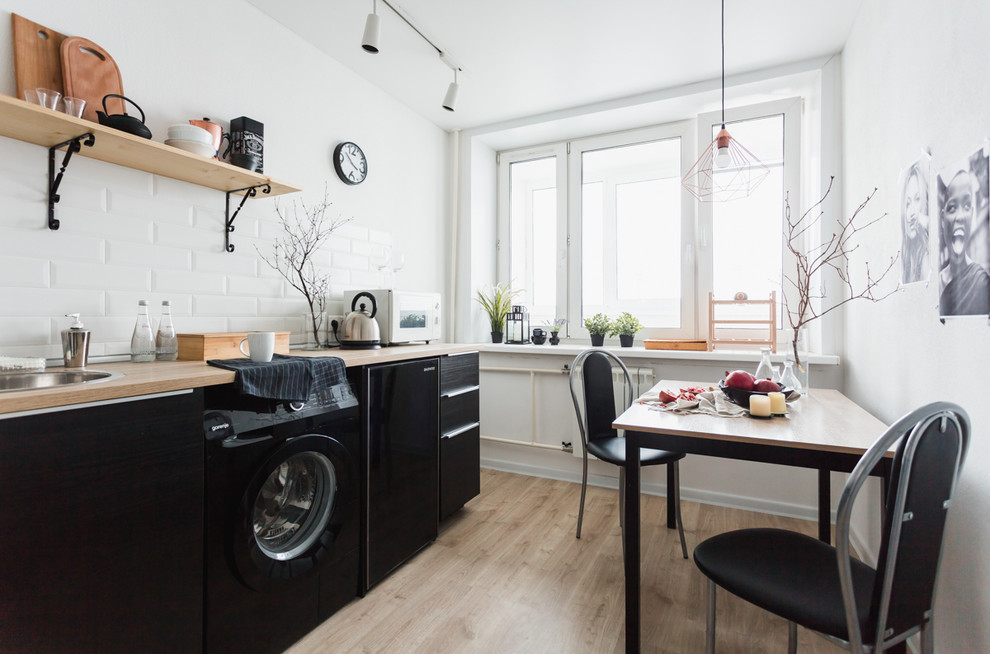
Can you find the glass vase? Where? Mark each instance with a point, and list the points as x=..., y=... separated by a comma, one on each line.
x=797, y=365
x=311, y=336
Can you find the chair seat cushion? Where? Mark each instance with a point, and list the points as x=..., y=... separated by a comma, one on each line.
x=613, y=450
x=789, y=574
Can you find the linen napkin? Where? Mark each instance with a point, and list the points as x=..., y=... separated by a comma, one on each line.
x=713, y=403
x=284, y=377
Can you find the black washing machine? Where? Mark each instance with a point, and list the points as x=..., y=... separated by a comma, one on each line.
x=282, y=516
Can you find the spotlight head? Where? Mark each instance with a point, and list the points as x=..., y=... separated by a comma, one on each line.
x=372, y=30
x=450, y=99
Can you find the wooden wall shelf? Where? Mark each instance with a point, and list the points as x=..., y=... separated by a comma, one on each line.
x=34, y=124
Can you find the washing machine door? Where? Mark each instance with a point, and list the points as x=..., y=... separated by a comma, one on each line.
x=295, y=513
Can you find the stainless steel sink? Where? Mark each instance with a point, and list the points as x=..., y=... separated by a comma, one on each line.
x=29, y=380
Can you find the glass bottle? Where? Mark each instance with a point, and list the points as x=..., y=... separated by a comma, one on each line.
x=143, y=339
x=166, y=344
x=790, y=380
x=765, y=369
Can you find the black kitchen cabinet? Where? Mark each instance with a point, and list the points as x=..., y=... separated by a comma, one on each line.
x=401, y=429
x=102, y=507
x=460, y=432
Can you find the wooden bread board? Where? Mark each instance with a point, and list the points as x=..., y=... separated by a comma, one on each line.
x=221, y=345
x=90, y=73
x=37, y=58
x=675, y=344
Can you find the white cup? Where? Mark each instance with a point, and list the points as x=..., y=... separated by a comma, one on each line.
x=261, y=346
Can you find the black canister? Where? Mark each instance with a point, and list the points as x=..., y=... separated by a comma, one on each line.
x=247, y=138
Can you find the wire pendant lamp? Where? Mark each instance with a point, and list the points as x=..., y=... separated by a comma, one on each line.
x=726, y=170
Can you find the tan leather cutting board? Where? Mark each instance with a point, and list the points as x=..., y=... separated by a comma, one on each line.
x=37, y=58
x=89, y=72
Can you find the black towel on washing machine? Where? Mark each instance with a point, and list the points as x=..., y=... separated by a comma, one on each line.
x=284, y=377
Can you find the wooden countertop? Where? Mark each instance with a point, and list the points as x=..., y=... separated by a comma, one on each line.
x=164, y=376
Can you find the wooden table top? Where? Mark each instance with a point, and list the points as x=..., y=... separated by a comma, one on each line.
x=824, y=420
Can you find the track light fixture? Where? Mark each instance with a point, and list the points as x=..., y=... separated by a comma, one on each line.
x=372, y=30
x=450, y=99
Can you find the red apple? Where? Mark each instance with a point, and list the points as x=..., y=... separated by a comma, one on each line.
x=766, y=386
x=740, y=379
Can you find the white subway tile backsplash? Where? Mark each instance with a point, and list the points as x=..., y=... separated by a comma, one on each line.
x=201, y=325
x=233, y=263
x=46, y=244
x=144, y=254
x=75, y=193
x=90, y=223
x=379, y=237
x=85, y=275
x=188, y=282
x=349, y=261
x=254, y=286
x=220, y=305
x=182, y=236
x=51, y=302
x=367, y=249
x=125, y=303
x=144, y=205
x=21, y=271
x=292, y=306
x=339, y=244
x=102, y=330
x=264, y=324
x=195, y=194
x=34, y=330
x=367, y=279
x=352, y=230
x=212, y=217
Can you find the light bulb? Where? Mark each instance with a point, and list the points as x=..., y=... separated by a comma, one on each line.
x=722, y=157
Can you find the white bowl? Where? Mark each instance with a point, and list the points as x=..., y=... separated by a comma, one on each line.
x=186, y=132
x=192, y=146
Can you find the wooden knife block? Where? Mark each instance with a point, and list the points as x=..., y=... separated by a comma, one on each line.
x=221, y=345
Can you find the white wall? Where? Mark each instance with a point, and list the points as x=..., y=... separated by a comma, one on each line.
x=914, y=77
x=127, y=235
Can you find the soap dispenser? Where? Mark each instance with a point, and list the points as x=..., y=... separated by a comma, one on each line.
x=75, y=343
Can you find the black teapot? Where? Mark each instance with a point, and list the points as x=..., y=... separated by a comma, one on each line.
x=123, y=122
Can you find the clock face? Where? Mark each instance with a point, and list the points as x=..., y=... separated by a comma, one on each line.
x=350, y=163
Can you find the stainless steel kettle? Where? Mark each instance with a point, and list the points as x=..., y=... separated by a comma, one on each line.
x=360, y=329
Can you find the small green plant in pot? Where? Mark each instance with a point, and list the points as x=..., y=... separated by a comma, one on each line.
x=626, y=326
x=598, y=326
x=497, y=302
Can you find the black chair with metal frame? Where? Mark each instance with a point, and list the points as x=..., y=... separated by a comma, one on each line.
x=823, y=588
x=593, y=368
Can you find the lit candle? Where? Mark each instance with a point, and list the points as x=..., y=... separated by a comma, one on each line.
x=759, y=406
x=777, y=403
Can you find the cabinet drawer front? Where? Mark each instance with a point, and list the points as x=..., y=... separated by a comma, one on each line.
x=458, y=371
x=458, y=410
x=460, y=472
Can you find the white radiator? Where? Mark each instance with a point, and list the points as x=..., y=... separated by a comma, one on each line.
x=642, y=381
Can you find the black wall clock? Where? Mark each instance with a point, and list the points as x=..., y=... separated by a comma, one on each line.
x=350, y=163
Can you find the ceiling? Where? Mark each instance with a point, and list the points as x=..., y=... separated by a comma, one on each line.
x=523, y=58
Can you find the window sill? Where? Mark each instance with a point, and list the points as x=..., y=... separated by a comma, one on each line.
x=639, y=352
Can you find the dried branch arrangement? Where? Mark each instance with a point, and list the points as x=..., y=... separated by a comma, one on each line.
x=831, y=254
x=293, y=255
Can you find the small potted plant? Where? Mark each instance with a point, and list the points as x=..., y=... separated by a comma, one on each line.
x=598, y=326
x=496, y=303
x=626, y=326
x=555, y=326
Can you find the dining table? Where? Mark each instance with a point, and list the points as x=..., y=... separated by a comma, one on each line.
x=823, y=430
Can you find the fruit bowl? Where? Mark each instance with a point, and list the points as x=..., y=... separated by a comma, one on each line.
x=741, y=397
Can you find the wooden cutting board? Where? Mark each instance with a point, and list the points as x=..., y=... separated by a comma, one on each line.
x=675, y=344
x=221, y=345
x=89, y=72
x=37, y=56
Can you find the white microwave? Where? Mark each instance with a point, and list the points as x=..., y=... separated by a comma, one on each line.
x=404, y=317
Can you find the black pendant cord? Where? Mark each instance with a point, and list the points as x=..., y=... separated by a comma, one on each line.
x=249, y=192
x=723, y=64
x=55, y=180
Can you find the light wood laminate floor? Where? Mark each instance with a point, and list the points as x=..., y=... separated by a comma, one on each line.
x=506, y=575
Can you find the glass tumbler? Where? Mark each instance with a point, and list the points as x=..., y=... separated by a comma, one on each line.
x=48, y=97
x=73, y=106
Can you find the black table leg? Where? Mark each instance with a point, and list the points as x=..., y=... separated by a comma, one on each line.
x=671, y=507
x=824, y=505
x=632, y=545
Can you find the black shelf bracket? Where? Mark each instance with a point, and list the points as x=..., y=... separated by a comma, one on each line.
x=249, y=192
x=75, y=144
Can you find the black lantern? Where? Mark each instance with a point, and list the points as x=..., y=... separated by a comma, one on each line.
x=517, y=325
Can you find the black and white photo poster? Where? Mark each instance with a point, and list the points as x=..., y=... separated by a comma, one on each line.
x=915, y=222
x=964, y=237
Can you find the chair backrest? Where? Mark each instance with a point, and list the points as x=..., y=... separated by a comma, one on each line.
x=931, y=446
x=594, y=402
